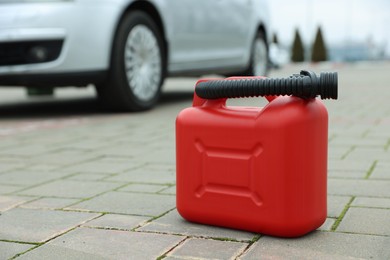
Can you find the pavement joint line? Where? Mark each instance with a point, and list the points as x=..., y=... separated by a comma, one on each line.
x=154, y=218
x=39, y=184
x=100, y=212
x=47, y=241
x=173, y=248
x=20, y=242
x=368, y=207
x=28, y=250
x=371, y=169
x=387, y=146
x=194, y=236
x=350, y=150
x=342, y=214
x=365, y=133
x=356, y=233
x=254, y=240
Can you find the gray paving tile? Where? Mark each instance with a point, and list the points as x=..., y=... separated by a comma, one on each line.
x=8, y=202
x=146, y=175
x=70, y=189
x=349, y=165
x=113, y=221
x=372, y=202
x=143, y=188
x=196, y=248
x=173, y=223
x=336, y=205
x=9, y=250
x=5, y=167
x=30, y=225
x=327, y=226
x=64, y=157
x=366, y=221
x=5, y=189
x=381, y=173
x=89, y=176
x=29, y=178
x=364, y=188
x=170, y=190
x=87, y=243
x=362, y=154
x=347, y=174
x=27, y=150
x=129, y=203
x=49, y=203
x=99, y=166
x=321, y=245
x=337, y=152
x=165, y=156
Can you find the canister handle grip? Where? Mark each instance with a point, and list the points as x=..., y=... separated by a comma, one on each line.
x=304, y=85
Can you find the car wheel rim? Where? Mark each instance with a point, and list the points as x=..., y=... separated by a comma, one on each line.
x=259, y=58
x=143, y=63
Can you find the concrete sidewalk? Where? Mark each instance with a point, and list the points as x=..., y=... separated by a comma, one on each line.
x=105, y=188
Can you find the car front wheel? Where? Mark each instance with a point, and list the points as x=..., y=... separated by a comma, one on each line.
x=259, y=57
x=137, y=65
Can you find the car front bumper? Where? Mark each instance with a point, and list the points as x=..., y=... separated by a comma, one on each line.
x=82, y=30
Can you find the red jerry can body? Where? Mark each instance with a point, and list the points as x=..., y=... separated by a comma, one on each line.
x=258, y=169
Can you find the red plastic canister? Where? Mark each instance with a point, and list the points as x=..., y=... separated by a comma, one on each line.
x=258, y=169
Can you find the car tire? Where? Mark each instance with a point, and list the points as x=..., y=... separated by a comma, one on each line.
x=259, y=61
x=138, y=64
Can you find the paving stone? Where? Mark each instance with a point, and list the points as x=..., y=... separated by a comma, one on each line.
x=27, y=150
x=8, y=202
x=372, y=202
x=366, y=142
x=29, y=225
x=337, y=152
x=122, y=149
x=327, y=226
x=173, y=223
x=9, y=250
x=4, y=167
x=380, y=173
x=195, y=248
x=170, y=190
x=321, y=245
x=129, y=203
x=364, y=188
x=70, y=189
x=336, y=205
x=348, y=165
x=143, y=188
x=99, y=166
x=346, y=174
x=89, y=176
x=145, y=175
x=366, y=221
x=123, y=222
x=368, y=153
x=49, y=203
x=166, y=156
x=5, y=189
x=29, y=178
x=65, y=157
x=42, y=167
x=87, y=243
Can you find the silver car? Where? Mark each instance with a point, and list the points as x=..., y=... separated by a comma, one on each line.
x=127, y=47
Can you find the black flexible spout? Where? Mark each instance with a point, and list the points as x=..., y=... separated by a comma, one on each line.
x=305, y=85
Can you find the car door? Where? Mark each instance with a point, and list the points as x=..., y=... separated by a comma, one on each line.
x=206, y=33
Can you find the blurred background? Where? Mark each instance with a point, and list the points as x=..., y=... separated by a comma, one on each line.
x=352, y=30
